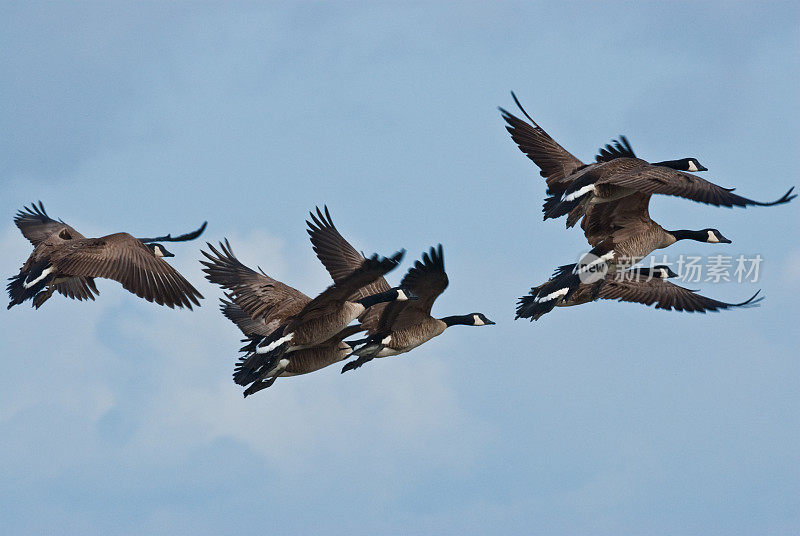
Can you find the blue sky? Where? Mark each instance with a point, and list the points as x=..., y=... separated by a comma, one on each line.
x=120, y=416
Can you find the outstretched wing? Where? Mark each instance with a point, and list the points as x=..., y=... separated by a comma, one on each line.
x=555, y=162
x=666, y=295
x=340, y=258
x=663, y=180
x=37, y=226
x=258, y=295
x=427, y=279
x=123, y=258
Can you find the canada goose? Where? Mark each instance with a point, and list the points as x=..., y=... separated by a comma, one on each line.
x=622, y=234
x=404, y=326
x=640, y=285
x=299, y=362
x=64, y=260
x=617, y=172
x=295, y=321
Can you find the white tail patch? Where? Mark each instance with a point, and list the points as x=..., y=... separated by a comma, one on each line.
x=553, y=295
x=45, y=273
x=275, y=371
x=386, y=340
x=578, y=193
x=274, y=344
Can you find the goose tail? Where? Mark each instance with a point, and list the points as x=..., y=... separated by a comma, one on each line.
x=29, y=283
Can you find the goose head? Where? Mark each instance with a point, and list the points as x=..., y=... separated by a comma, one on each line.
x=159, y=250
x=712, y=236
x=404, y=294
x=692, y=165
x=472, y=319
x=662, y=271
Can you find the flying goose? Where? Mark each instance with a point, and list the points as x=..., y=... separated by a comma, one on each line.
x=64, y=260
x=622, y=234
x=295, y=322
x=640, y=285
x=299, y=362
x=617, y=172
x=405, y=325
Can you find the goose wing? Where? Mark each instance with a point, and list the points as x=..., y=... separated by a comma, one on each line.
x=179, y=238
x=257, y=294
x=123, y=258
x=427, y=279
x=555, y=162
x=665, y=295
x=652, y=179
x=251, y=327
x=620, y=148
x=78, y=288
x=340, y=258
x=37, y=226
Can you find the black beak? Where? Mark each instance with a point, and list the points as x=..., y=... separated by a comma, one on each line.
x=701, y=167
x=490, y=323
x=167, y=253
x=410, y=295
x=724, y=240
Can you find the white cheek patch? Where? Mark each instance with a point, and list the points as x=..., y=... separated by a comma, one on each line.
x=274, y=344
x=712, y=237
x=477, y=321
x=578, y=193
x=401, y=296
x=45, y=273
x=692, y=166
x=552, y=295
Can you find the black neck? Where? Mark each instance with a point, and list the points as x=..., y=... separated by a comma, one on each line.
x=680, y=165
x=381, y=297
x=683, y=234
x=464, y=320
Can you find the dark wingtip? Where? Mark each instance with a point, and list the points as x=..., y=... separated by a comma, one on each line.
x=752, y=302
x=788, y=196
x=519, y=105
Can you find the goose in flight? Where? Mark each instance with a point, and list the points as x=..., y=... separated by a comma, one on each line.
x=64, y=260
x=647, y=286
x=572, y=185
x=403, y=326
